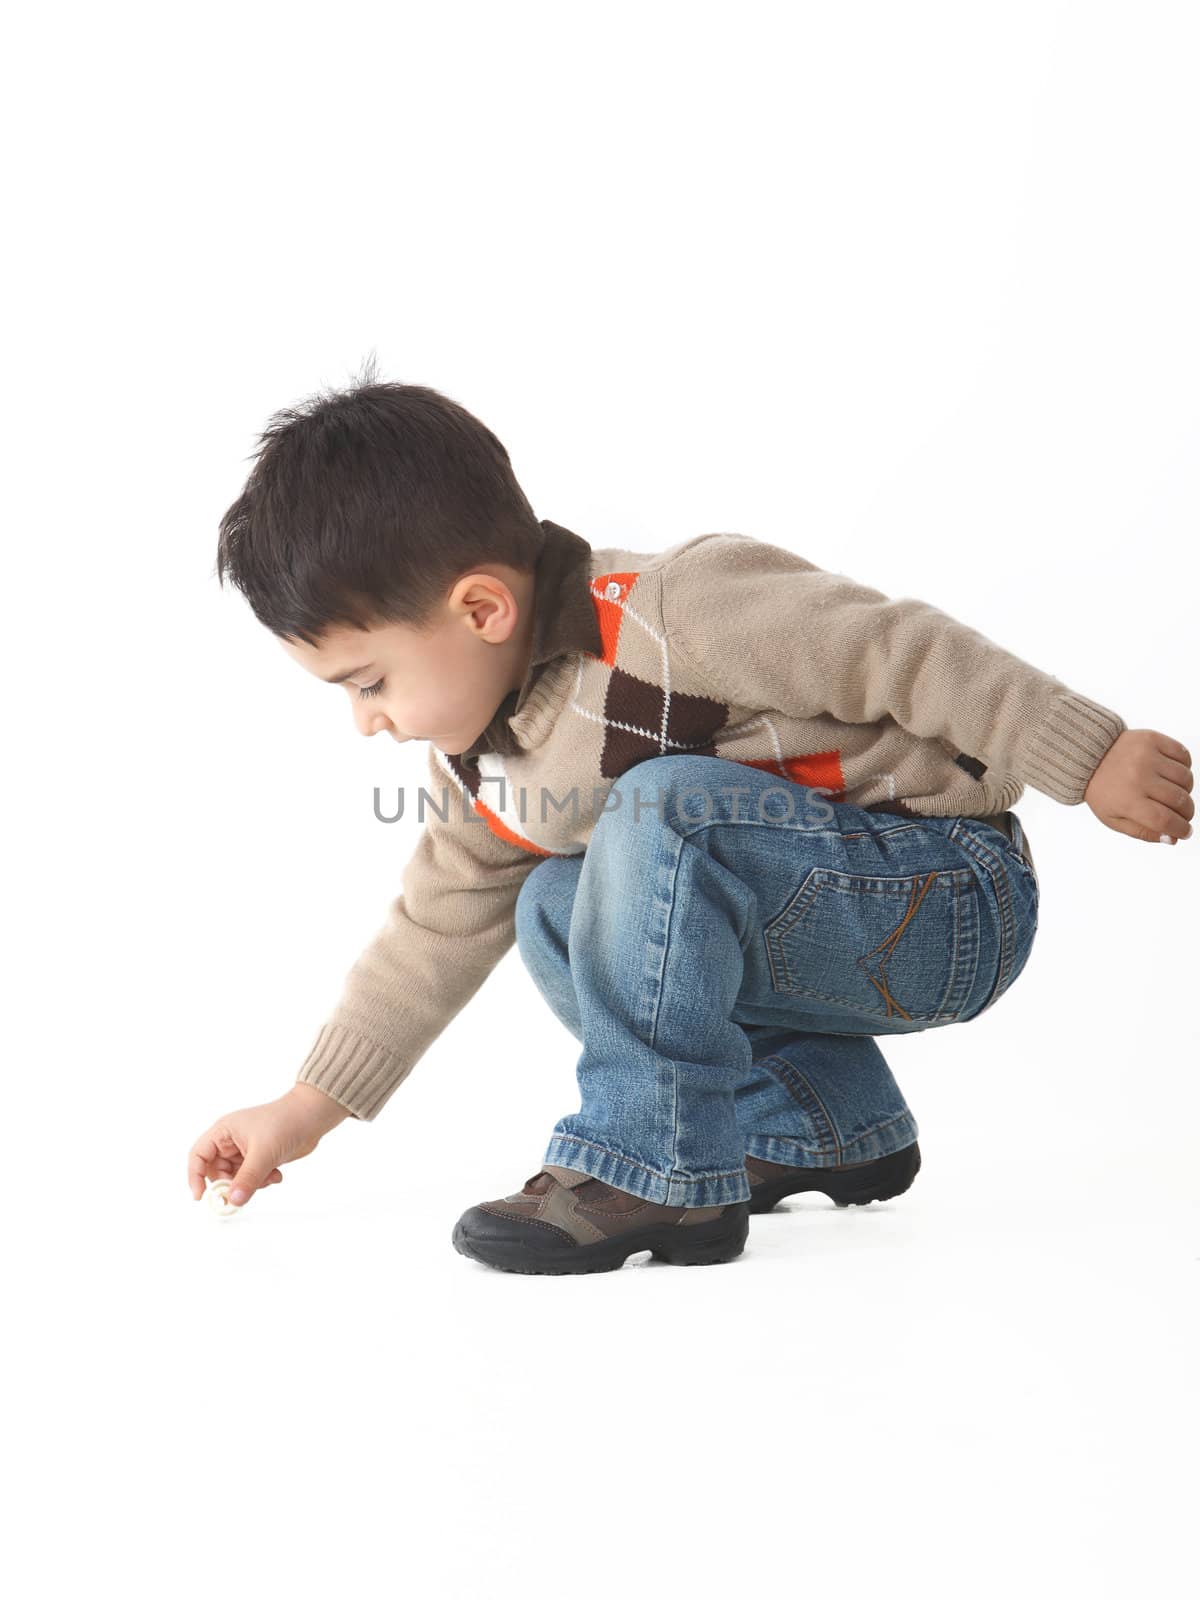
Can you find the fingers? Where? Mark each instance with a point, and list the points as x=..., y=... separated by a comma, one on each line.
x=1169, y=827
x=225, y=1167
x=1135, y=830
x=1172, y=748
x=249, y=1177
x=1165, y=816
x=1178, y=772
x=1173, y=807
x=214, y=1155
x=224, y=1151
x=201, y=1157
x=219, y=1167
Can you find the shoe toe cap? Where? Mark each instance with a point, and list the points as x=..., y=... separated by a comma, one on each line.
x=479, y=1225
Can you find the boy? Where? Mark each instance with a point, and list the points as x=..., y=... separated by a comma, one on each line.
x=741, y=814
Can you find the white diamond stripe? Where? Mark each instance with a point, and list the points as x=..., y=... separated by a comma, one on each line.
x=721, y=737
x=753, y=722
x=630, y=727
x=627, y=610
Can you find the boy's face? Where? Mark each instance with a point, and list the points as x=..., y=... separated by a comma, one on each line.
x=443, y=683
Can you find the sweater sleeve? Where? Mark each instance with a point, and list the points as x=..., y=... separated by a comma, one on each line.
x=443, y=934
x=766, y=627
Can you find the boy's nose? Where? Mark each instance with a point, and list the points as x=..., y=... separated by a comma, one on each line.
x=370, y=722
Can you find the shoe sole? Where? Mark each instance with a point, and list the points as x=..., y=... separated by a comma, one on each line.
x=699, y=1244
x=888, y=1177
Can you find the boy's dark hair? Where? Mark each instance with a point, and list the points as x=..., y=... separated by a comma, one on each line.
x=366, y=504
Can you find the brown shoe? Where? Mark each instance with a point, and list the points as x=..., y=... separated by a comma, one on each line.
x=564, y=1221
x=855, y=1183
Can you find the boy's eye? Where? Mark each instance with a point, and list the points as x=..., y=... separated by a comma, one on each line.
x=371, y=688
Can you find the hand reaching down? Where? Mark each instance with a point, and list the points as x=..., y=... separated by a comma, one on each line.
x=250, y=1146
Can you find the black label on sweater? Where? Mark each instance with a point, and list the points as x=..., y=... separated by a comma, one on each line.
x=972, y=765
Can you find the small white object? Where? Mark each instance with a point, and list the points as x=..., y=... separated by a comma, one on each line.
x=218, y=1198
x=613, y=590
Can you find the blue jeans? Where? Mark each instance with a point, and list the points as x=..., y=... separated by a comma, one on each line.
x=727, y=949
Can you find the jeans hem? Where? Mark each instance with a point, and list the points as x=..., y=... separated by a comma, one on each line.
x=709, y=1189
x=884, y=1140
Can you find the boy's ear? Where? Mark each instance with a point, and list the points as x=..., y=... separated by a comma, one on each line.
x=485, y=599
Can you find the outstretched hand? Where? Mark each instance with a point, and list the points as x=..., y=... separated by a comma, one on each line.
x=1143, y=787
x=249, y=1146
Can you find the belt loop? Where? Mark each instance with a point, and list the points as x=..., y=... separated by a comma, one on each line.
x=1018, y=833
x=1022, y=845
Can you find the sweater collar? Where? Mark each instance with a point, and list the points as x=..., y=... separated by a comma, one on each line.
x=564, y=620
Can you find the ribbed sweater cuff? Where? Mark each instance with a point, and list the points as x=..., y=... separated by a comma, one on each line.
x=1068, y=745
x=356, y=1072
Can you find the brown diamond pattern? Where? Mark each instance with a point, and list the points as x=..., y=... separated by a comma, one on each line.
x=692, y=719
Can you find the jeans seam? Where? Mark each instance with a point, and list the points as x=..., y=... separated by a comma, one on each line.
x=672, y=899
x=994, y=867
x=574, y=1138
x=806, y=1100
x=946, y=1001
x=879, y=1128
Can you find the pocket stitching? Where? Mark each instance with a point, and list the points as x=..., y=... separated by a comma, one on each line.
x=959, y=983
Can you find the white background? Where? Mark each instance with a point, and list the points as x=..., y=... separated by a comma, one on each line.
x=909, y=288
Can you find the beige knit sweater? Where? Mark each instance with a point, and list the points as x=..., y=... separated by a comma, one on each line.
x=723, y=645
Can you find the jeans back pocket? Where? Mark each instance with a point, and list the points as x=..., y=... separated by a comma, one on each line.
x=881, y=952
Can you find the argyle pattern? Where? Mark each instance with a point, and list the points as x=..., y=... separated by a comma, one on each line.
x=642, y=717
